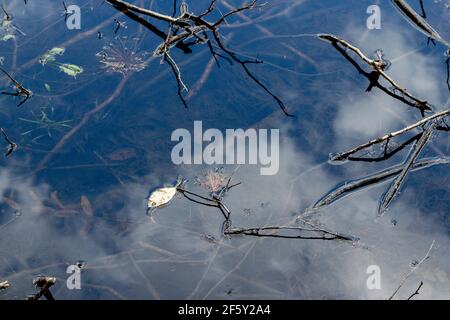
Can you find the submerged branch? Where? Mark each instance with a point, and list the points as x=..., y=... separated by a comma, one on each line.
x=273, y=231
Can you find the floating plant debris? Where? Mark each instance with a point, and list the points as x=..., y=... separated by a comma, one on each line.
x=70, y=69
x=4, y=285
x=161, y=197
x=117, y=57
x=50, y=56
x=86, y=206
x=8, y=30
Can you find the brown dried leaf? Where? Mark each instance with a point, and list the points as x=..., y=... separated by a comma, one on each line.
x=11, y=203
x=55, y=199
x=122, y=154
x=86, y=206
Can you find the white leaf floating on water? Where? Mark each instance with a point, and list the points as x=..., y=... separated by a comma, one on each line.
x=161, y=197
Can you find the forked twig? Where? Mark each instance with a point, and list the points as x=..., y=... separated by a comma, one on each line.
x=21, y=91
x=311, y=232
x=12, y=146
x=416, y=292
x=378, y=70
x=413, y=269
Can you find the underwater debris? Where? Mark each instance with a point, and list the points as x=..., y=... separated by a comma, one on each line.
x=217, y=182
x=44, y=121
x=86, y=206
x=214, y=180
x=122, y=154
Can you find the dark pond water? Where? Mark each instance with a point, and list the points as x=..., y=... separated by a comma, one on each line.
x=91, y=146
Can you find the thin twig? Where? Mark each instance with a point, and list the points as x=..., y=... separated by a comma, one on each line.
x=413, y=269
x=416, y=292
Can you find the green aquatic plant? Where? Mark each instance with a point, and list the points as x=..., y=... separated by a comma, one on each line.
x=44, y=121
x=49, y=58
x=70, y=69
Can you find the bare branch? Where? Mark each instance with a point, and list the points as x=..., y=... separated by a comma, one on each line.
x=345, y=155
x=398, y=182
x=194, y=26
x=146, y=12
x=377, y=66
x=349, y=187
x=418, y=21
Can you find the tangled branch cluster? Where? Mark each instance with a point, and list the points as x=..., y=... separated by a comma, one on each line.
x=189, y=29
